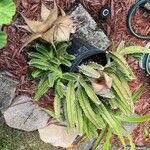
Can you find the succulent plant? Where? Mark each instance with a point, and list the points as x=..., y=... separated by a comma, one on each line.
x=80, y=99
x=145, y=61
x=51, y=27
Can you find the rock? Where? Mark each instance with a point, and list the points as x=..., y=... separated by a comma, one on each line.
x=25, y=115
x=128, y=128
x=57, y=135
x=86, y=145
x=7, y=90
x=1, y=118
x=88, y=29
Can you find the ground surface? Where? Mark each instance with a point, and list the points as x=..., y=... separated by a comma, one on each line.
x=11, y=139
x=115, y=27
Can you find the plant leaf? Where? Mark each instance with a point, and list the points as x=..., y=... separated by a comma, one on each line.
x=24, y=27
x=87, y=109
x=121, y=82
x=49, y=36
x=36, y=73
x=47, y=53
x=55, y=61
x=96, y=66
x=111, y=120
x=60, y=88
x=138, y=93
x=57, y=107
x=66, y=117
x=65, y=62
x=121, y=93
x=33, y=25
x=70, y=103
x=3, y=39
x=45, y=12
x=62, y=33
x=45, y=86
x=30, y=39
x=106, y=145
x=41, y=90
x=131, y=142
x=121, y=46
x=70, y=76
x=7, y=11
x=89, y=91
x=69, y=57
x=121, y=62
x=133, y=118
x=37, y=63
x=79, y=119
x=36, y=55
x=85, y=127
x=89, y=71
x=52, y=16
x=51, y=113
x=134, y=49
x=100, y=137
x=117, y=102
x=89, y=128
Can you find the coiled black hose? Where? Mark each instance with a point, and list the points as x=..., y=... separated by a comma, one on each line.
x=130, y=13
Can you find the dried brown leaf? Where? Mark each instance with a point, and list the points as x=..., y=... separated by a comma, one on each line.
x=45, y=12
x=33, y=25
x=51, y=28
x=66, y=21
x=50, y=19
x=62, y=33
x=24, y=27
x=62, y=11
x=49, y=36
x=30, y=39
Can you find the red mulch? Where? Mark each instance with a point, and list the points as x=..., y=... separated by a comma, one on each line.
x=115, y=27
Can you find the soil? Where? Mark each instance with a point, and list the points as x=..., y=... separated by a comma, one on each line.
x=15, y=61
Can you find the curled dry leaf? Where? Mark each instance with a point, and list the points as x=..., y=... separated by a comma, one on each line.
x=45, y=12
x=51, y=27
x=102, y=85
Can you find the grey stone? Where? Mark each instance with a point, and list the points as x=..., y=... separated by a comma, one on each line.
x=86, y=145
x=87, y=29
x=128, y=128
x=7, y=90
x=23, y=114
x=57, y=135
x=1, y=118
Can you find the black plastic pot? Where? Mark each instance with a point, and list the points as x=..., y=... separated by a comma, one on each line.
x=85, y=52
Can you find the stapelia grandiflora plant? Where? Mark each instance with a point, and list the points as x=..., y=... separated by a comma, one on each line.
x=95, y=97
x=51, y=27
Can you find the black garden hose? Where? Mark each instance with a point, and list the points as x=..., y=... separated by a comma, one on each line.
x=130, y=13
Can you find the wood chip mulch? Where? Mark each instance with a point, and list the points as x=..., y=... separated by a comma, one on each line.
x=15, y=62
